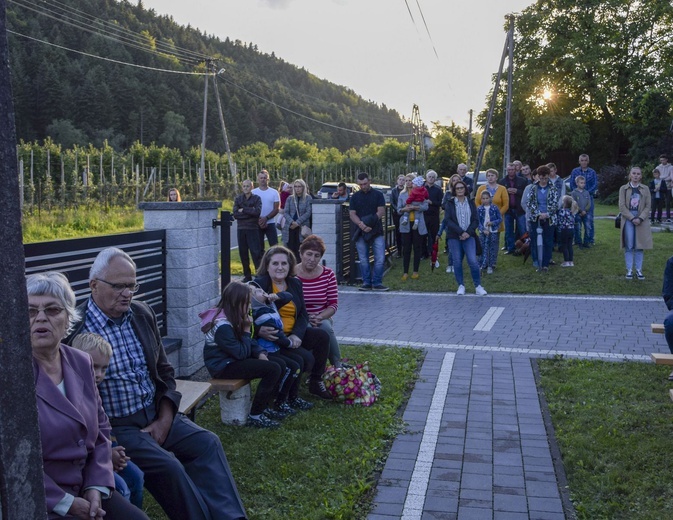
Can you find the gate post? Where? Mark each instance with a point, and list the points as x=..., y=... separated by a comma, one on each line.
x=192, y=274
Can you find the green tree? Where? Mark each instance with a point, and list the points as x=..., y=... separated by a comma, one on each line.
x=63, y=131
x=176, y=133
x=392, y=152
x=578, y=68
x=447, y=153
x=649, y=128
x=289, y=149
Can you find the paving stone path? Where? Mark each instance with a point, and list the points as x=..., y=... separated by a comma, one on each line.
x=476, y=445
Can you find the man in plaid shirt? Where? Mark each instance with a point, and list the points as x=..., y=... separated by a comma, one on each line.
x=185, y=467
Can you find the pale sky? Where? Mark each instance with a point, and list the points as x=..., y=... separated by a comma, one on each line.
x=373, y=46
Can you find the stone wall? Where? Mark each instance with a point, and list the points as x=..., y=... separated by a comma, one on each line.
x=326, y=224
x=192, y=272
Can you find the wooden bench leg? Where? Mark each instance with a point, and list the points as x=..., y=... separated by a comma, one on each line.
x=235, y=406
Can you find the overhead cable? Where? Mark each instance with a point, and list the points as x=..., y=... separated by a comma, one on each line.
x=372, y=134
x=124, y=41
x=107, y=59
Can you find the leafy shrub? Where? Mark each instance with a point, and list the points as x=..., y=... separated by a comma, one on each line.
x=610, y=179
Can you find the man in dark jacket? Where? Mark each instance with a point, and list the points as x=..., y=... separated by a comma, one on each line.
x=367, y=209
x=185, y=467
x=516, y=214
x=247, y=209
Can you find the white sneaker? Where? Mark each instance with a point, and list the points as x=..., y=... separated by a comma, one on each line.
x=436, y=264
x=461, y=290
x=479, y=291
x=489, y=270
x=449, y=269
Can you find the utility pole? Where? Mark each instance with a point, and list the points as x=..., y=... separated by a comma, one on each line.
x=416, y=150
x=508, y=110
x=232, y=166
x=202, y=172
x=496, y=88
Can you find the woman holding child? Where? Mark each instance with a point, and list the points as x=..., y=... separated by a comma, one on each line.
x=412, y=224
x=75, y=432
x=309, y=346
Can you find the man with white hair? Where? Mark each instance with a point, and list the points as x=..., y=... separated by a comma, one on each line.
x=461, y=169
x=185, y=467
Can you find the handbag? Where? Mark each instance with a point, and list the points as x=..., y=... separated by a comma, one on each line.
x=305, y=230
x=618, y=221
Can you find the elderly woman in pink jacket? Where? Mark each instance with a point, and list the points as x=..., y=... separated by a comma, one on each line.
x=75, y=432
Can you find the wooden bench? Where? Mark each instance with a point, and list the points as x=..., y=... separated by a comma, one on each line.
x=662, y=359
x=192, y=393
x=657, y=328
x=235, y=399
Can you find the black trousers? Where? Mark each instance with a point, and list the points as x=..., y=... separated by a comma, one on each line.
x=188, y=474
x=288, y=386
x=268, y=373
x=432, y=223
x=312, y=355
x=271, y=234
x=412, y=239
x=248, y=242
x=398, y=235
x=294, y=241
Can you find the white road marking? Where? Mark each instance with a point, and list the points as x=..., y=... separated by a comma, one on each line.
x=345, y=340
x=413, y=505
x=489, y=319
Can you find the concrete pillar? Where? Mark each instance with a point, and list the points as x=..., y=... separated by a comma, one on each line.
x=327, y=225
x=192, y=272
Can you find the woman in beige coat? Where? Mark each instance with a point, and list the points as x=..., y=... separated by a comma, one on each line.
x=635, y=204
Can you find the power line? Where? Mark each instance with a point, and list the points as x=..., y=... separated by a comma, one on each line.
x=106, y=59
x=155, y=69
x=426, y=28
x=118, y=28
x=124, y=41
x=373, y=134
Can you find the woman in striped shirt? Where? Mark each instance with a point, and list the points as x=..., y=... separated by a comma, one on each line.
x=320, y=291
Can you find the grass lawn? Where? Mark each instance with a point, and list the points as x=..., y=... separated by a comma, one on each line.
x=85, y=221
x=599, y=270
x=320, y=464
x=613, y=424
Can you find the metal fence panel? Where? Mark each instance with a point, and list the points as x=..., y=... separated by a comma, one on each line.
x=74, y=258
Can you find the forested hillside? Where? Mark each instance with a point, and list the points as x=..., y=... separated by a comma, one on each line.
x=77, y=99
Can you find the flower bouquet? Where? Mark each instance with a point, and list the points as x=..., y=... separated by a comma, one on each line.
x=352, y=384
